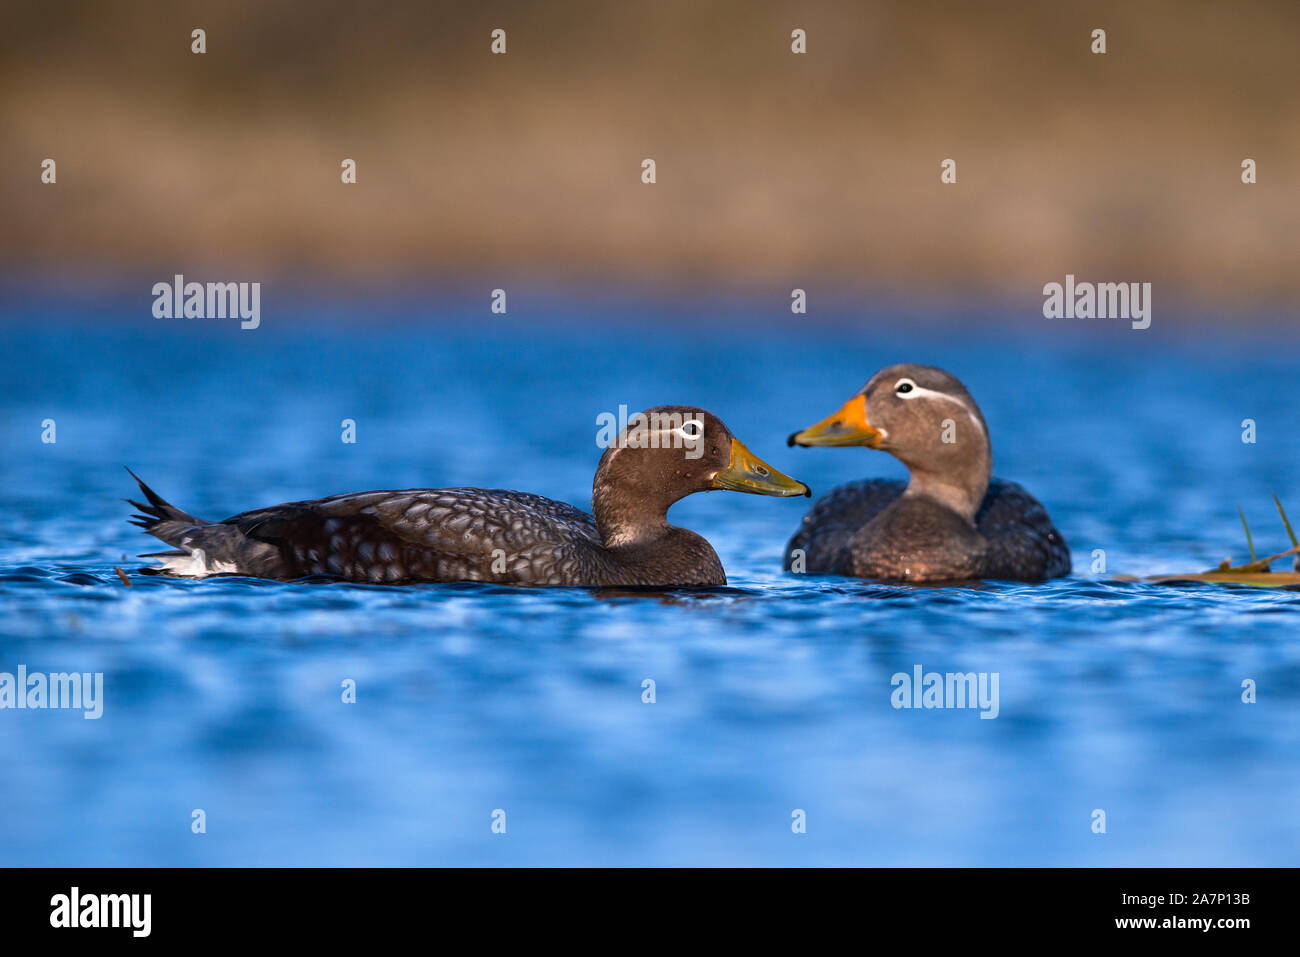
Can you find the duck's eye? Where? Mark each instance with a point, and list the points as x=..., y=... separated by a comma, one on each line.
x=906, y=388
x=693, y=429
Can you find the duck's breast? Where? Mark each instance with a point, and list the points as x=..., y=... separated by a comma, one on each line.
x=824, y=535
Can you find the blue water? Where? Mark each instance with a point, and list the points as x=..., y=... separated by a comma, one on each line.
x=771, y=695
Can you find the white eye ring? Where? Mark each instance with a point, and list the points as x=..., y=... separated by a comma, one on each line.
x=692, y=428
x=906, y=389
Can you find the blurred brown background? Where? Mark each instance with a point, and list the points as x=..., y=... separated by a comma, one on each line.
x=774, y=170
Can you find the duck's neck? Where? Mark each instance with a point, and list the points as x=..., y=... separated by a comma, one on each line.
x=628, y=516
x=960, y=488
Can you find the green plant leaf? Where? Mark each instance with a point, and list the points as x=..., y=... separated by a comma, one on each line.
x=1289, y=533
x=1250, y=542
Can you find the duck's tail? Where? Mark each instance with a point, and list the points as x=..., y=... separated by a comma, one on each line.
x=202, y=547
x=160, y=518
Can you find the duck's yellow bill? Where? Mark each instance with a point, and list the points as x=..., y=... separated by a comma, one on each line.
x=848, y=426
x=748, y=473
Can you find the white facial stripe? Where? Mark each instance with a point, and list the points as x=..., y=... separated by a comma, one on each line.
x=917, y=392
x=663, y=438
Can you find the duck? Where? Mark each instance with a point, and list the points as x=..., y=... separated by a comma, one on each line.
x=490, y=535
x=951, y=521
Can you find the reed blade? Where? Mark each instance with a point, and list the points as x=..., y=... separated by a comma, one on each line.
x=1250, y=542
x=1289, y=533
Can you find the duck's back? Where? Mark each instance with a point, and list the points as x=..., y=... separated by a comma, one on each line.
x=452, y=534
x=1016, y=538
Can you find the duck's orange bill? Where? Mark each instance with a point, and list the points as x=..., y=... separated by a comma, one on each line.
x=848, y=426
x=746, y=472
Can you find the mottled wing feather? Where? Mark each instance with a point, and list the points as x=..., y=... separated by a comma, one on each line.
x=469, y=520
x=430, y=535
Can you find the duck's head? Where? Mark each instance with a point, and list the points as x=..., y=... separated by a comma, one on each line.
x=681, y=450
x=925, y=418
x=671, y=451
